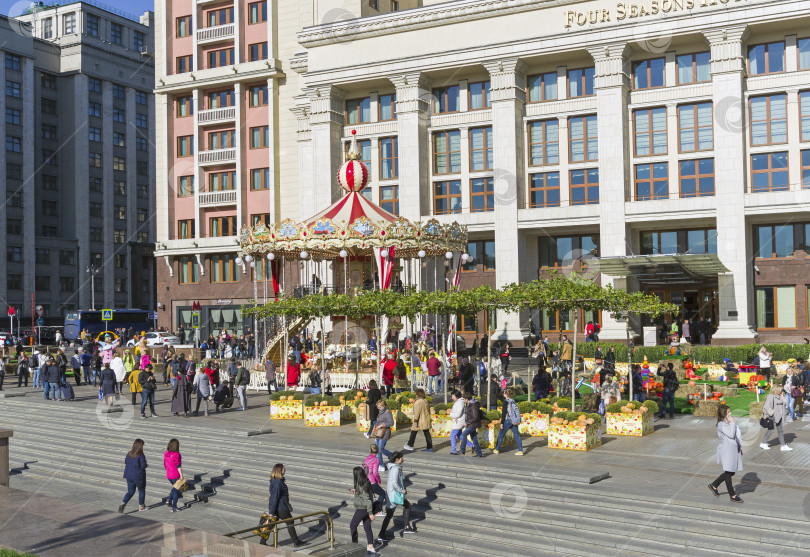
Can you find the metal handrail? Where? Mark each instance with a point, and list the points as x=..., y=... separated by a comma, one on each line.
x=254, y=530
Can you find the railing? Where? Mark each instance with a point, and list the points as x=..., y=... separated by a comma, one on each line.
x=322, y=515
x=217, y=32
x=217, y=198
x=216, y=114
x=217, y=156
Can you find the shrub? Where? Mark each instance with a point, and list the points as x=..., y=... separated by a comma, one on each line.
x=493, y=415
x=314, y=400
x=442, y=406
x=298, y=396
x=597, y=419
x=623, y=403
x=564, y=402
x=394, y=404
x=526, y=407
x=404, y=398
x=704, y=354
x=651, y=405
x=544, y=408
x=332, y=401
x=279, y=394
x=614, y=408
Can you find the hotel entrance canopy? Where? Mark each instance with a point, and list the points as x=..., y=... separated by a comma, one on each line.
x=663, y=270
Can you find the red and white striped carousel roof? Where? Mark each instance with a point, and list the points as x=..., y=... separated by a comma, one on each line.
x=351, y=207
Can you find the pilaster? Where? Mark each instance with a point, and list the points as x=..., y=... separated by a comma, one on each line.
x=306, y=190
x=29, y=185
x=4, y=189
x=81, y=179
x=326, y=122
x=132, y=193
x=107, y=260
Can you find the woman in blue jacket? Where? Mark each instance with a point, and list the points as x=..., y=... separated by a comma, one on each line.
x=280, y=502
x=135, y=473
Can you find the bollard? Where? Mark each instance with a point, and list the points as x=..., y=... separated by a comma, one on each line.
x=4, y=436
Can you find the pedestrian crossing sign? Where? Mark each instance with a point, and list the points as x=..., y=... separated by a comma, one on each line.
x=106, y=314
x=195, y=320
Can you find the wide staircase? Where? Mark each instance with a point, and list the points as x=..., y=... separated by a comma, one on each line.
x=497, y=506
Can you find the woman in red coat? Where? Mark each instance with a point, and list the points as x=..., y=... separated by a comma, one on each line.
x=388, y=375
x=293, y=373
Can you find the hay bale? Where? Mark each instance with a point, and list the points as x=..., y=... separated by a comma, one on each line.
x=706, y=408
x=677, y=367
x=755, y=409
x=727, y=391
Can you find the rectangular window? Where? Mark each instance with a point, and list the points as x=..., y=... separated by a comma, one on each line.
x=138, y=41
x=120, y=261
x=120, y=212
x=119, y=236
x=480, y=149
x=185, y=64
x=42, y=283
x=49, y=157
x=580, y=82
x=257, y=12
x=185, y=229
x=804, y=114
x=260, y=218
x=389, y=162
x=585, y=186
x=141, y=121
x=96, y=209
x=140, y=143
x=776, y=307
x=696, y=177
x=259, y=137
x=387, y=107
x=769, y=172
x=389, y=199
x=13, y=62
x=13, y=171
x=47, y=105
x=260, y=179
x=447, y=197
x=544, y=190
x=120, y=188
x=768, y=119
x=67, y=257
x=14, y=199
x=189, y=270
x=652, y=181
x=564, y=251
x=649, y=74
x=544, y=146
x=119, y=115
x=185, y=146
x=48, y=81
x=94, y=109
x=42, y=256
x=445, y=99
x=774, y=241
x=650, y=131
x=67, y=284
x=225, y=139
x=141, y=215
x=142, y=168
x=220, y=99
x=69, y=23
x=766, y=58
x=49, y=231
x=120, y=284
x=14, y=281
x=489, y=255
x=543, y=87
x=184, y=26
x=140, y=97
x=143, y=191
x=258, y=95
x=116, y=33
x=47, y=28
x=224, y=268
x=92, y=25
x=94, y=85
x=479, y=95
x=805, y=169
x=482, y=195
x=447, y=152
x=258, y=51
x=358, y=111
x=695, y=131
x=803, y=46
x=220, y=58
x=657, y=243
x=221, y=16
x=120, y=163
x=13, y=144
x=94, y=133
x=14, y=254
x=119, y=139
x=48, y=131
x=583, y=141
x=222, y=181
x=13, y=116
x=119, y=92
x=13, y=89
x=13, y=226
x=95, y=160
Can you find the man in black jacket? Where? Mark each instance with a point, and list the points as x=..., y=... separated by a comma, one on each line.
x=472, y=419
x=61, y=363
x=51, y=380
x=541, y=384
x=671, y=385
x=147, y=380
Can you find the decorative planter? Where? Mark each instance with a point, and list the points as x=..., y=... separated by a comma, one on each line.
x=634, y=425
x=440, y=426
x=286, y=409
x=364, y=423
x=573, y=437
x=350, y=409
x=321, y=416
x=534, y=425
x=407, y=410
x=488, y=437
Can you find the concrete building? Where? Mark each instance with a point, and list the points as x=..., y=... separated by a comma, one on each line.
x=79, y=159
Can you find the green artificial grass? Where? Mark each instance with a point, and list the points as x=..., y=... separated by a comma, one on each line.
x=4, y=552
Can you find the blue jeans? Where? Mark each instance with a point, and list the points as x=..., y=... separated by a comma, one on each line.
x=381, y=445
x=315, y=390
x=472, y=433
x=433, y=384
x=131, y=485
x=638, y=396
x=669, y=396
x=46, y=390
x=87, y=376
x=507, y=425
x=791, y=402
x=147, y=395
x=173, y=380
x=174, y=495
x=371, y=427
x=96, y=376
x=455, y=435
x=37, y=382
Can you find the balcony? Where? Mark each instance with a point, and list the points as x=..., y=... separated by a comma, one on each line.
x=216, y=33
x=211, y=198
x=217, y=156
x=216, y=115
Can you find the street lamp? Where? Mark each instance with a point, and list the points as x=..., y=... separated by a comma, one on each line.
x=92, y=270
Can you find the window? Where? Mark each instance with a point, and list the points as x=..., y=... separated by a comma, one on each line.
x=184, y=26
x=220, y=99
x=220, y=58
x=543, y=87
x=42, y=283
x=580, y=82
x=13, y=89
x=445, y=99
x=49, y=157
x=447, y=152
x=67, y=284
x=96, y=209
x=189, y=270
x=119, y=92
x=221, y=16
x=258, y=95
x=695, y=127
x=387, y=107
x=69, y=23
x=649, y=74
x=480, y=149
x=116, y=33
x=13, y=144
x=92, y=25
x=544, y=190
x=804, y=114
x=185, y=64
x=120, y=236
x=260, y=179
x=389, y=162
x=120, y=261
x=13, y=254
x=67, y=257
x=140, y=143
x=766, y=58
x=14, y=281
x=224, y=268
x=479, y=95
x=769, y=172
x=652, y=181
x=650, y=127
x=185, y=146
x=656, y=243
x=773, y=241
x=222, y=181
x=564, y=251
x=42, y=256
x=805, y=169
x=138, y=41
x=143, y=238
x=120, y=188
x=768, y=119
x=185, y=229
x=13, y=226
x=141, y=121
x=389, y=199
x=94, y=85
x=120, y=284
x=95, y=185
x=489, y=255
x=95, y=160
x=143, y=191
x=13, y=62
x=482, y=195
x=222, y=140
x=257, y=12
x=13, y=116
x=14, y=199
x=94, y=133
x=585, y=187
x=185, y=106
x=120, y=212
x=140, y=97
x=47, y=28
x=94, y=109
x=358, y=111
x=776, y=307
x=258, y=51
x=13, y=171
x=694, y=68
x=47, y=105
x=49, y=231
x=583, y=143
x=119, y=115
x=263, y=218
x=119, y=139
x=696, y=177
x=447, y=197
x=364, y=146
x=47, y=81
x=142, y=168
x=259, y=137
x=49, y=208
x=141, y=215
x=120, y=163
x=544, y=147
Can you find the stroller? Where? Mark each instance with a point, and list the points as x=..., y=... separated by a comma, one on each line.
x=223, y=396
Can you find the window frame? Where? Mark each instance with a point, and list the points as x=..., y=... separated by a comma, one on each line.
x=767, y=58
x=545, y=188
x=448, y=153
x=187, y=61
x=222, y=263
x=485, y=94
x=190, y=233
x=694, y=66
x=392, y=103
x=264, y=137
x=804, y=168
x=696, y=128
x=542, y=86
x=393, y=202
x=264, y=179
x=768, y=120
x=651, y=131
x=261, y=12
x=442, y=95
x=448, y=197
x=189, y=264
x=770, y=171
x=358, y=110
x=773, y=255
x=186, y=103
x=586, y=186
x=216, y=56
x=634, y=71
x=775, y=288
x=393, y=160
x=261, y=51
x=697, y=177
x=487, y=149
x=585, y=139
x=651, y=181
x=263, y=94
x=221, y=222
x=583, y=84
x=185, y=146
x=543, y=127
x=488, y=194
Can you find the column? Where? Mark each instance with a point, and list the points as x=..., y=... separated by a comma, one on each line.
x=242, y=138
x=412, y=106
x=673, y=142
x=199, y=175
x=612, y=86
x=4, y=189
x=562, y=142
x=274, y=151
x=133, y=226
x=326, y=123
x=81, y=179
x=29, y=198
x=736, y=288
x=107, y=259
x=507, y=82
x=794, y=147
x=305, y=157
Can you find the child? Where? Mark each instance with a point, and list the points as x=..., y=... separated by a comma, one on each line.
x=371, y=465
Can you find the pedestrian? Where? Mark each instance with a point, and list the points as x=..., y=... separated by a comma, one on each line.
x=22, y=370
x=97, y=364
x=134, y=387
x=472, y=420
x=202, y=384
x=505, y=357
x=62, y=363
x=457, y=414
x=120, y=370
x=279, y=506
x=466, y=375
x=421, y=422
x=396, y=493
x=135, y=466
x=510, y=419
x=36, y=363
x=671, y=385
x=765, y=359
x=129, y=363
x=315, y=382
x=401, y=377
x=729, y=452
x=86, y=361
x=567, y=354
x=181, y=395
x=541, y=383
x=3, y=360
x=372, y=467
x=242, y=381
x=776, y=409
x=270, y=375
x=791, y=391
x=52, y=377
x=434, y=367
x=76, y=365
x=382, y=430
x=293, y=373
x=173, y=462
x=148, y=385
x=363, y=508
x=494, y=392
x=638, y=383
x=374, y=395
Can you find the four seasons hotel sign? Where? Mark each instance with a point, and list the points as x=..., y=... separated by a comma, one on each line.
x=631, y=10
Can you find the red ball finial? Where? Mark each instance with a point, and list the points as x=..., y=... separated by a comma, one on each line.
x=354, y=132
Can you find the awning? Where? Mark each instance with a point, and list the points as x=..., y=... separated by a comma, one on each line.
x=663, y=269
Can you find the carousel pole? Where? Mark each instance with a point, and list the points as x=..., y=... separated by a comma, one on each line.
x=284, y=321
x=345, y=255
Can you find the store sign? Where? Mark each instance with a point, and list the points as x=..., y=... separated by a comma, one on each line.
x=631, y=10
x=223, y=301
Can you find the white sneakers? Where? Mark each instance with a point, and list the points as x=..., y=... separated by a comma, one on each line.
x=366, y=435
x=785, y=448
x=407, y=448
x=764, y=447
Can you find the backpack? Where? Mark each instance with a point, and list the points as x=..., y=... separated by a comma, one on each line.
x=34, y=361
x=315, y=379
x=513, y=413
x=473, y=413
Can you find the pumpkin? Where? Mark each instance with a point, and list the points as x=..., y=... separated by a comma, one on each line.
x=691, y=383
x=589, y=421
x=324, y=403
x=644, y=409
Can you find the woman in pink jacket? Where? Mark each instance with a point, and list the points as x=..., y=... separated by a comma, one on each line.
x=173, y=462
x=371, y=465
x=145, y=360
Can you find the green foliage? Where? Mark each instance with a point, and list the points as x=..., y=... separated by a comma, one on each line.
x=314, y=400
x=393, y=404
x=333, y=401
x=597, y=419
x=442, y=406
x=564, y=402
x=544, y=408
x=404, y=398
x=614, y=408
x=493, y=415
x=298, y=396
x=526, y=407
x=623, y=402
x=651, y=405
x=279, y=394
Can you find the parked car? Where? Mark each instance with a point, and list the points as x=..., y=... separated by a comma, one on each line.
x=157, y=339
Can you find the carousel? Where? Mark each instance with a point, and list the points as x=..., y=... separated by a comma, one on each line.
x=351, y=245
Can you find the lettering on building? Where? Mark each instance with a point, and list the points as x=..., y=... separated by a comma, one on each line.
x=631, y=10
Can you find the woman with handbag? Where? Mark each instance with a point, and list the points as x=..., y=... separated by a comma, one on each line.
x=279, y=506
x=421, y=422
x=371, y=465
x=172, y=461
x=791, y=391
x=729, y=452
x=773, y=415
x=363, y=508
x=135, y=473
x=396, y=496
x=382, y=430
x=374, y=395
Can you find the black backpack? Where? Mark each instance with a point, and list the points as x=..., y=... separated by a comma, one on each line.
x=473, y=412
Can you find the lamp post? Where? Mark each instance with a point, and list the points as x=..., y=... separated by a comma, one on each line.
x=92, y=270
